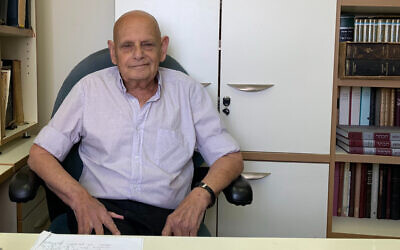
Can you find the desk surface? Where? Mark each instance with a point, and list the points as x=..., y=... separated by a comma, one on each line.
x=13, y=241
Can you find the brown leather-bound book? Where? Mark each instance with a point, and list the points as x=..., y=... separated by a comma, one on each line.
x=383, y=108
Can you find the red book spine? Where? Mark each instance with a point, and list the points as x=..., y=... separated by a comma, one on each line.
x=363, y=190
x=388, y=191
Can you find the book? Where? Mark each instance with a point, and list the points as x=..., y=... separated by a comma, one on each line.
x=392, y=107
x=378, y=96
x=346, y=31
x=352, y=189
x=357, y=189
x=365, y=105
x=369, y=132
x=344, y=105
x=395, y=196
x=340, y=192
x=355, y=100
x=369, y=151
x=397, y=108
x=346, y=190
x=336, y=184
x=3, y=11
x=388, y=190
x=368, y=194
x=4, y=100
x=16, y=13
x=372, y=107
x=363, y=187
x=368, y=143
x=382, y=192
x=374, y=191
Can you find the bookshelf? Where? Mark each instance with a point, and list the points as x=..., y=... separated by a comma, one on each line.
x=20, y=44
x=350, y=227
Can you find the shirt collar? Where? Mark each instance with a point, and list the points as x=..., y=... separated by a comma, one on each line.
x=155, y=97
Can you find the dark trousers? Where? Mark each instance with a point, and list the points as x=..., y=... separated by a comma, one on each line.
x=139, y=218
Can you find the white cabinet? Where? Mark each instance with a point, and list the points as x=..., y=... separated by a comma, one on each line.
x=290, y=202
x=192, y=27
x=289, y=44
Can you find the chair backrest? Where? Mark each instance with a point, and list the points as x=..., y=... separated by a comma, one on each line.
x=73, y=163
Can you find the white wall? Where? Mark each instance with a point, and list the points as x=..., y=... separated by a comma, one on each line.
x=67, y=32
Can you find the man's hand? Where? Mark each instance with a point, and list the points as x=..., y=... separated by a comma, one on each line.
x=91, y=214
x=186, y=219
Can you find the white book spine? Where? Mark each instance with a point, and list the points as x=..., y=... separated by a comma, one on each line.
x=380, y=34
x=387, y=30
x=393, y=30
x=374, y=190
x=397, y=38
x=356, y=29
x=370, y=29
x=344, y=105
x=355, y=105
x=374, y=30
x=365, y=30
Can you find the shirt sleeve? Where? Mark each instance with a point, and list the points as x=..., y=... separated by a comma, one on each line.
x=213, y=140
x=65, y=128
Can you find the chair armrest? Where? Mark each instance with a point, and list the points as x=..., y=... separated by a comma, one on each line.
x=239, y=192
x=24, y=185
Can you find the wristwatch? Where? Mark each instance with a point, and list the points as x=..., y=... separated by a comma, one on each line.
x=209, y=190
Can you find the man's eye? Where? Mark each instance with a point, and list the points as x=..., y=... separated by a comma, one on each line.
x=126, y=45
x=148, y=45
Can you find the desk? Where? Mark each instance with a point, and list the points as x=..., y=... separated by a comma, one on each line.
x=13, y=241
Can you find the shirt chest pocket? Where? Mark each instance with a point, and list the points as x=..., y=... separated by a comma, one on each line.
x=172, y=152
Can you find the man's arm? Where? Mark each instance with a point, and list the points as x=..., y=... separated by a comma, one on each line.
x=186, y=219
x=89, y=212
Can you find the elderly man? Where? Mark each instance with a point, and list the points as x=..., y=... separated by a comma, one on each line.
x=138, y=125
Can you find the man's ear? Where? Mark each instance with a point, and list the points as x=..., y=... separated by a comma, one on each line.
x=164, y=48
x=111, y=48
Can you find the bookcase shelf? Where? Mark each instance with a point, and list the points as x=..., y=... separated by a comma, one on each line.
x=342, y=156
x=368, y=82
x=18, y=132
x=350, y=227
x=15, y=32
x=365, y=227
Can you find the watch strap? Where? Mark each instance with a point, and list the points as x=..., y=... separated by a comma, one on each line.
x=209, y=190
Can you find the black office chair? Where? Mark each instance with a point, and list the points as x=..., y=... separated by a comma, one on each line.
x=25, y=183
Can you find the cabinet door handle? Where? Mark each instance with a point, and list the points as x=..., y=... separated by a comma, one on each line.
x=250, y=87
x=205, y=84
x=254, y=175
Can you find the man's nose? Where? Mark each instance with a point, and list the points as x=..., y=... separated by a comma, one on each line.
x=138, y=52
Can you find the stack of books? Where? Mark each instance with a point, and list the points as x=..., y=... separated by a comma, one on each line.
x=369, y=140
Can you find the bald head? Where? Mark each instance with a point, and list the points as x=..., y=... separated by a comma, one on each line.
x=136, y=16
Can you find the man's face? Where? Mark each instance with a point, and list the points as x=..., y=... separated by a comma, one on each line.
x=138, y=50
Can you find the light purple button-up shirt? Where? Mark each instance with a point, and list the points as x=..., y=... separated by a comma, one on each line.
x=142, y=154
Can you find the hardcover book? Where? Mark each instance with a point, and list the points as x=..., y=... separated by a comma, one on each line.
x=368, y=143
x=369, y=151
x=369, y=132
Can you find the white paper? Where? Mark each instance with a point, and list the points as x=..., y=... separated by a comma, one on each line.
x=50, y=241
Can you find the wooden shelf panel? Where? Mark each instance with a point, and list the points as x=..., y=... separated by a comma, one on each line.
x=18, y=132
x=342, y=156
x=381, y=7
x=369, y=83
x=370, y=3
x=366, y=227
x=15, y=32
x=285, y=157
x=16, y=152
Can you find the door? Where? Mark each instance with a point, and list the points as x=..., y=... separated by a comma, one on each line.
x=290, y=45
x=290, y=202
